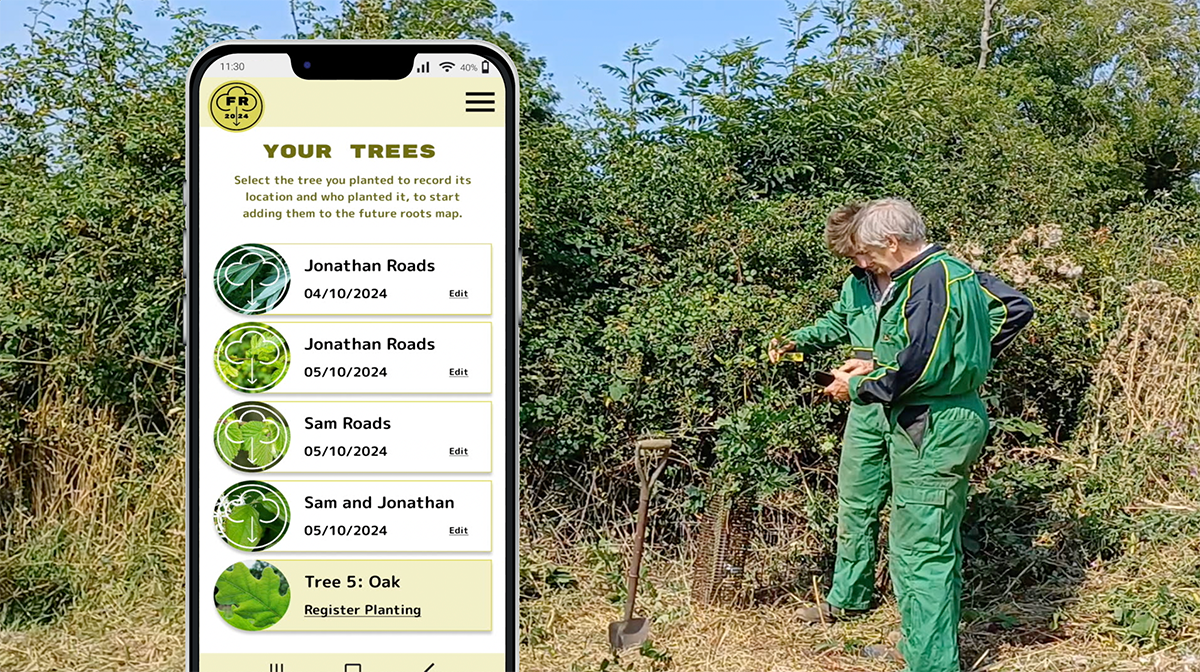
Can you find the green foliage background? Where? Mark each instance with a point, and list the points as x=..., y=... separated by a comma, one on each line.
x=252, y=598
x=668, y=233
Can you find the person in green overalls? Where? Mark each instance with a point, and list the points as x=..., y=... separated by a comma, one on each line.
x=863, y=472
x=933, y=347
x=863, y=469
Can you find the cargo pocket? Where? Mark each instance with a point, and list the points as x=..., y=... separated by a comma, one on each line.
x=918, y=518
x=854, y=539
x=851, y=546
x=914, y=420
x=887, y=339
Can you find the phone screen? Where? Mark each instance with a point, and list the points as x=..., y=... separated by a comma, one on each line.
x=351, y=269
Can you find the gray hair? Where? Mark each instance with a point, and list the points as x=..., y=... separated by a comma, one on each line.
x=889, y=217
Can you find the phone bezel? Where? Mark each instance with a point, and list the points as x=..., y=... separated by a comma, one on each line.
x=344, y=51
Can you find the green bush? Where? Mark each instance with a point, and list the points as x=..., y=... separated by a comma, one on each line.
x=669, y=233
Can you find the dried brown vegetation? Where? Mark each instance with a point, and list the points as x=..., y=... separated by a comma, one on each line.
x=91, y=567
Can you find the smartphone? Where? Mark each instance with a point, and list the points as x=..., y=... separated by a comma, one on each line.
x=352, y=270
x=822, y=378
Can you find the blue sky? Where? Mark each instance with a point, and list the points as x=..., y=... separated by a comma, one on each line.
x=575, y=36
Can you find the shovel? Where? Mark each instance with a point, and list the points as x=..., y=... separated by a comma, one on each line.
x=633, y=631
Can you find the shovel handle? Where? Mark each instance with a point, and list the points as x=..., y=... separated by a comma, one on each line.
x=639, y=538
x=646, y=482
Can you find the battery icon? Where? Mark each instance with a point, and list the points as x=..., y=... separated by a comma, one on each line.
x=487, y=67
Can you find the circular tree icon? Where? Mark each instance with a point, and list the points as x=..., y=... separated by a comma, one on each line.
x=252, y=279
x=252, y=596
x=252, y=357
x=252, y=516
x=252, y=436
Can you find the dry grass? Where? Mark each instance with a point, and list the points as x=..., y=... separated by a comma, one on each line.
x=1150, y=371
x=94, y=639
x=571, y=626
x=100, y=540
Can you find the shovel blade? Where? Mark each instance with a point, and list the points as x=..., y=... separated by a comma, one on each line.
x=628, y=634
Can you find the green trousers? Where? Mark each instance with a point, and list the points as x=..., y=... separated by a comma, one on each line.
x=863, y=487
x=932, y=447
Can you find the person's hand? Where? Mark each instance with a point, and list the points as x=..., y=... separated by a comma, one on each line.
x=777, y=347
x=840, y=388
x=857, y=367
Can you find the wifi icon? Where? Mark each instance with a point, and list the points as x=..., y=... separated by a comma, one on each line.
x=446, y=66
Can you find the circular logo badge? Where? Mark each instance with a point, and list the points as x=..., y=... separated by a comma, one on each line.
x=236, y=106
x=252, y=436
x=252, y=516
x=252, y=279
x=252, y=357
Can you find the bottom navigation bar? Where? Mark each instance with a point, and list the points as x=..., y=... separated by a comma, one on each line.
x=373, y=662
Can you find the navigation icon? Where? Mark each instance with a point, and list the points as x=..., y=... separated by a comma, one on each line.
x=477, y=99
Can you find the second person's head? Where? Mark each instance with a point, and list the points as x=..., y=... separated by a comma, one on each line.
x=888, y=233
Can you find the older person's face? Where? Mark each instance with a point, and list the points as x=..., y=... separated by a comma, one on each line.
x=881, y=260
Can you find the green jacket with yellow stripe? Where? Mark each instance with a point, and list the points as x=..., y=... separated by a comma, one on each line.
x=941, y=326
x=852, y=319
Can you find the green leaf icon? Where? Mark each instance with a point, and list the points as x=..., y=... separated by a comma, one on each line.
x=244, y=527
x=252, y=357
x=255, y=604
x=252, y=516
x=252, y=279
x=252, y=437
x=263, y=442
